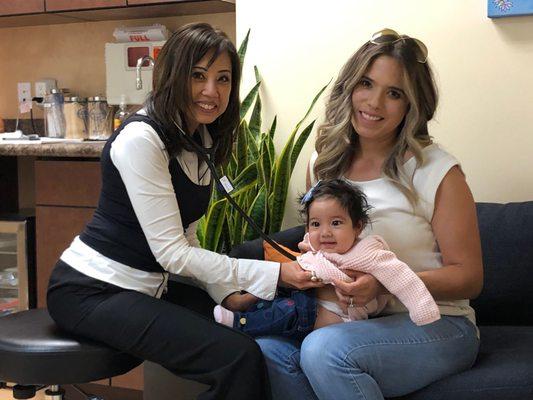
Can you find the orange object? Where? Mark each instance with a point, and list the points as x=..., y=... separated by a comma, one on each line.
x=271, y=254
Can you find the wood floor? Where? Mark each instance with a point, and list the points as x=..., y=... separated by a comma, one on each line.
x=7, y=395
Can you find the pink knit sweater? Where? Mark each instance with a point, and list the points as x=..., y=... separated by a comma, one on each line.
x=372, y=255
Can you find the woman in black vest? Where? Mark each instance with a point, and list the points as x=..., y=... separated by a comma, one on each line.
x=112, y=283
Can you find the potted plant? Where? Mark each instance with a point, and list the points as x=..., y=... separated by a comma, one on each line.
x=260, y=177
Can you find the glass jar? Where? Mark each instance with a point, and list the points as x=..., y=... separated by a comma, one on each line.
x=100, y=118
x=76, y=117
x=54, y=116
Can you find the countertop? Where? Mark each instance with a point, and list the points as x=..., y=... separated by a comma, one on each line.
x=78, y=149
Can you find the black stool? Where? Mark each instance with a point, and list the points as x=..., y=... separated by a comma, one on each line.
x=35, y=354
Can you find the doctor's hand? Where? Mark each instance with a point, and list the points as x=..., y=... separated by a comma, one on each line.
x=293, y=276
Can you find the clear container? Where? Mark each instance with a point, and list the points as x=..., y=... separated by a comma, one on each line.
x=100, y=118
x=76, y=117
x=121, y=114
x=54, y=116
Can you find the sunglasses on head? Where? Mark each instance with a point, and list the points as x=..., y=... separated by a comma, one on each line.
x=391, y=36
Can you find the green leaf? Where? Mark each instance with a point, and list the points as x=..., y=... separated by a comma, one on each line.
x=279, y=189
x=214, y=223
x=248, y=100
x=297, y=148
x=257, y=212
x=241, y=148
x=243, y=47
x=255, y=119
x=310, y=107
x=246, y=177
x=272, y=129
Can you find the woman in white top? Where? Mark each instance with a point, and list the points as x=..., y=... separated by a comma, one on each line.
x=112, y=285
x=375, y=135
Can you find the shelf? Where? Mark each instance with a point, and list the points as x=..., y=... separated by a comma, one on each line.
x=166, y=9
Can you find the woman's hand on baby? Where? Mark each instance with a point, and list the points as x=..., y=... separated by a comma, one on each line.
x=293, y=276
x=360, y=292
x=239, y=301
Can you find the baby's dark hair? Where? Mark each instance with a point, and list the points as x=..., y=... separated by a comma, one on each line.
x=348, y=195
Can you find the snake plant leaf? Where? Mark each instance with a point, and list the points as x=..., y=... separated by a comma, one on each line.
x=311, y=107
x=247, y=177
x=255, y=119
x=257, y=212
x=241, y=147
x=243, y=47
x=272, y=129
x=279, y=189
x=248, y=100
x=264, y=164
x=253, y=150
x=297, y=148
x=214, y=223
x=200, y=230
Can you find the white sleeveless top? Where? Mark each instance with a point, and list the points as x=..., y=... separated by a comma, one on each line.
x=410, y=236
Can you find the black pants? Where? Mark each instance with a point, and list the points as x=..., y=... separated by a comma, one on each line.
x=174, y=332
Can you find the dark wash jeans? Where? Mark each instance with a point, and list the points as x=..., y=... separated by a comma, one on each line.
x=291, y=314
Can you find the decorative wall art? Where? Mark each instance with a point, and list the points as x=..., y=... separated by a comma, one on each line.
x=509, y=8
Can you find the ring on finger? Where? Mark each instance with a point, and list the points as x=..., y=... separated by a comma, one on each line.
x=351, y=302
x=313, y=278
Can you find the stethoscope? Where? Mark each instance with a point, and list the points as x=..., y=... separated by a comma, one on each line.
x=205, y=155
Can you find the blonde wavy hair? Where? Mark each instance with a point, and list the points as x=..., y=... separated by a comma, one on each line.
x=337, y=139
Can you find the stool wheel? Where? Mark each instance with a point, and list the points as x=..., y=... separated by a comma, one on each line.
x=23, y=392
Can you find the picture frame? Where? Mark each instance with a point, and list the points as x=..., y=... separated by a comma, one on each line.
x=509, y=8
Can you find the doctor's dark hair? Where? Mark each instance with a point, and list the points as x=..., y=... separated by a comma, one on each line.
x=348, y=195
x=171, y=94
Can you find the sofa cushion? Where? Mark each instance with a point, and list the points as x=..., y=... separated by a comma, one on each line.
x=507, y=242
x=502, y=371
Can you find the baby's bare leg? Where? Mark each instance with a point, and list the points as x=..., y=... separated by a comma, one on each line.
x=325, y=317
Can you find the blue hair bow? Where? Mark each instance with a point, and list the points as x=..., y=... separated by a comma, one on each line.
x=309, y=194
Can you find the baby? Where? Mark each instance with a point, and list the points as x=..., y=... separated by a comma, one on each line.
x=336, y=212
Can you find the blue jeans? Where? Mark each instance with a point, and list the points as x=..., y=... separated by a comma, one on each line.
x=291, y=315
x=369, y=360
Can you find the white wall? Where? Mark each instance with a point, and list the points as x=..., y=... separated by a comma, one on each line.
x=484, y=69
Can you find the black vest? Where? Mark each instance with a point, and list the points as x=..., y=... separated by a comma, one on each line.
x=114, y=230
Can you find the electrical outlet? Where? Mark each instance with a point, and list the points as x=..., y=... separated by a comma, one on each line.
x=24, y=92
x=44, y=86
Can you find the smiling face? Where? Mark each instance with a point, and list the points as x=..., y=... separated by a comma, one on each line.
x=330, y=226
x=379, y=101
x=210, y=90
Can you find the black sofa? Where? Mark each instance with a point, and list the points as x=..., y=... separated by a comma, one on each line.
x=504, y=367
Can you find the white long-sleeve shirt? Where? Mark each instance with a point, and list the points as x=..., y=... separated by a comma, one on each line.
x=142, y=161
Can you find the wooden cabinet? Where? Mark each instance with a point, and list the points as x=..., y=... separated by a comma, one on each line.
x=69, y=5
x=46, y=12
x=138, y=2
x=18, y=7
x=66, y=194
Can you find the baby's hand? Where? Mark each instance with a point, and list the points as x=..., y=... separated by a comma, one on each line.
x=304, y=246
x=239, y=302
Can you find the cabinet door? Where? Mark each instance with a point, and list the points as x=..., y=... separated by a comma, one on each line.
x=71, y=5
x=67, y=183
x=13, y=7
x=55, y=229
x=137, y=2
